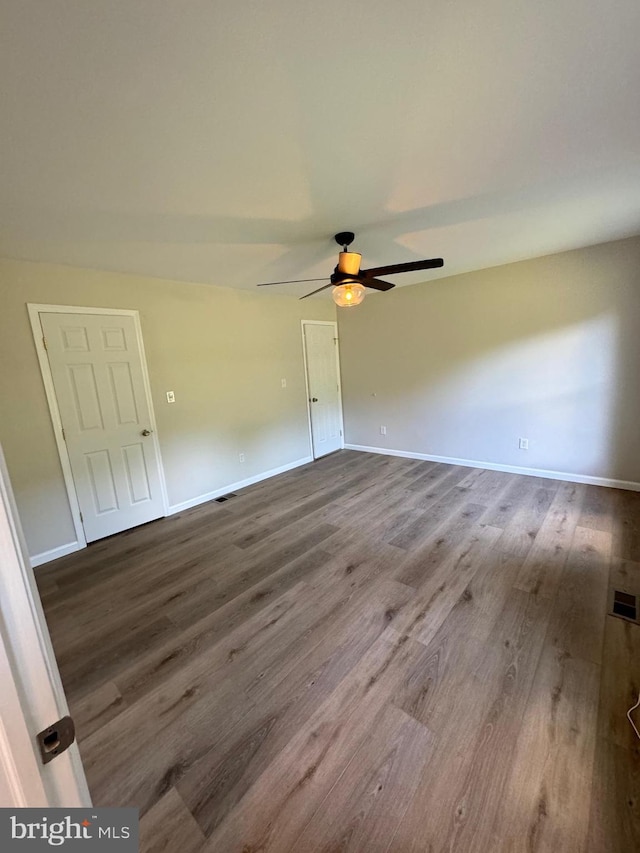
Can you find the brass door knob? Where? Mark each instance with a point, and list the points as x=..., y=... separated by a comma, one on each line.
x=314, y=399
x=145, y=432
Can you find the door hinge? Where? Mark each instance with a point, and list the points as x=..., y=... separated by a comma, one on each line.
x=63, y=435
x=44, y=342
x=55, y=739
x=81, y=518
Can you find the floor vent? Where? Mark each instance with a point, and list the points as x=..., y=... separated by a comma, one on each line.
x=224, y=498
x=624, y=605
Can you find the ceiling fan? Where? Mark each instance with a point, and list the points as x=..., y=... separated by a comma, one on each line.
x=349, y=281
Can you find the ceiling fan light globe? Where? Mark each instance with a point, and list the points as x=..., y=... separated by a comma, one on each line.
x=349, y=294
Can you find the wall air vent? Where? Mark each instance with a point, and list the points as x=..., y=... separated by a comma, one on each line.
x=624, y=605
x=224, y=498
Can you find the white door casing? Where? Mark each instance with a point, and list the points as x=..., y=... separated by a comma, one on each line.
x=98, y=374
x=32, y=697
x=322, y=365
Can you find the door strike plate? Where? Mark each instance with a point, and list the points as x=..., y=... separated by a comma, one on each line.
x=56, y=739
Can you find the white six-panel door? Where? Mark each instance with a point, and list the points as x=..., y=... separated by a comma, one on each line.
x=96, y=367
x=323, y=382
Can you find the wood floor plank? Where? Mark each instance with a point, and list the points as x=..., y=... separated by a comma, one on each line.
x=625, y=575
x=514, y=494
x=486, y=593
x=477, y=718
x=436, y=535
x=182, y=703
x=369, y=800
x=597, y=508
x=97, y=708
x=149, y=588
x=169, y=827
x=442, y=478
x=546, y=802
x=111, y=559
x=430, y=520
x=364, y=653
x=278, y=806
x=372, y=510
x=620, y=681
x=626, y=526
x=83, y=668
x=214, y=785
x=545, y=562
x=521, y=529
x=614, y=824
x=453, y=649
x=278, y=519
x=448, y=571
x=241, y=576
x=493, y=486
x=345, y=574
x=157, y=666
x=194, y=701
x=580, y=605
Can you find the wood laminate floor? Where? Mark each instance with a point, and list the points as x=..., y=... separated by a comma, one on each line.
x=364, y=654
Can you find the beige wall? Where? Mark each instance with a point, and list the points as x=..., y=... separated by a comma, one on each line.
x=462, y=367
x=223, y=352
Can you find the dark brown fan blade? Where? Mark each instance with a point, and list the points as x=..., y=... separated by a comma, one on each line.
x=295, y=281
x=392, y=269
x=318, y=290
x=376, y=284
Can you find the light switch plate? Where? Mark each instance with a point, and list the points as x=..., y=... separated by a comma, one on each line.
x=171, y=397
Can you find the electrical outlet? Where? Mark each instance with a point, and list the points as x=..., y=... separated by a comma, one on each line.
x=284, y=383
x=383, y=430
x=523, y=444
x=171, y=397
x=242, y=457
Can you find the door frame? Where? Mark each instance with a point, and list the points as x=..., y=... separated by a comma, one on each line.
x=32, y=697
x=35, y=309
x=306, y=377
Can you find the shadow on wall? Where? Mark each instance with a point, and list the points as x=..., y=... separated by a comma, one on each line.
x=624, y=433
x=560, y=383
x=546, y=350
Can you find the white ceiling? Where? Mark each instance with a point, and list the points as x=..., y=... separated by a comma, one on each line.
x=226, y=141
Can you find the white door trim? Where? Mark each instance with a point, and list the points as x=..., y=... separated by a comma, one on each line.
x=32, y=695
x=35, y=310
x=306, y=377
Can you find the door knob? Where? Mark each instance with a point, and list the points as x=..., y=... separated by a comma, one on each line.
x=314, y=399
x=145, y=432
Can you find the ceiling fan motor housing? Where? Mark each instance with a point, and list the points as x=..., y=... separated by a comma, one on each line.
x=349, y=264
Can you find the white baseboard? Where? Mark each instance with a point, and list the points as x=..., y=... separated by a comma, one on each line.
x=509, y=469
x=209, y=496
x=54, y=553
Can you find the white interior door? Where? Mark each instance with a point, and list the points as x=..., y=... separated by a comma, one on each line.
x=323, y=382
x=97, y=372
